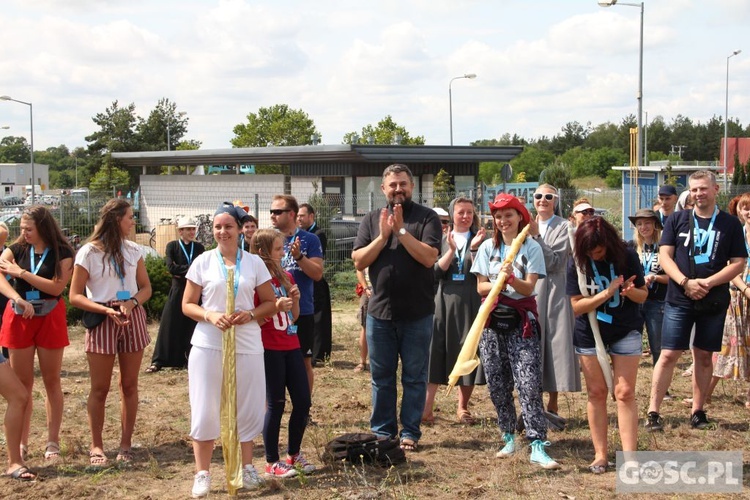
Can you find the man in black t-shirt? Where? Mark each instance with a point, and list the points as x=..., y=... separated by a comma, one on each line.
x=400, y=245
x=701, y=250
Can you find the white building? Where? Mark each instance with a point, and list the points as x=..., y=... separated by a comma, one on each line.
x=15, y=176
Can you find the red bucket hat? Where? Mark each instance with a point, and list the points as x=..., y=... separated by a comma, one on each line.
x=508, y=201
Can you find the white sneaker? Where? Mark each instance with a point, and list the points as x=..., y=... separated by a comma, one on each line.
x=201, y=484
x=250, y=478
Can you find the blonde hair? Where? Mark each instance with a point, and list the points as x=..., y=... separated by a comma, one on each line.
x=261, y=245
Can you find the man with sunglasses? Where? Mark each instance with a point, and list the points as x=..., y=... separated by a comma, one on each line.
x=303, y=258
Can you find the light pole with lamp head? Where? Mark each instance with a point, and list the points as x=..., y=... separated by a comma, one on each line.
x=470, y=76
x=726, y=125
x=640, y=160
x=31, y=139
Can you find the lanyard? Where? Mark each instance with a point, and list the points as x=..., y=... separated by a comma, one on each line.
x=747, y=247
x=280, y=291
x=238, y=268
x=598, y=277
x=118, y=271
x=700, y=242
x=188, y=257
x=288, y=246
x=460, y=256
x=648, y=258
x=35, y=269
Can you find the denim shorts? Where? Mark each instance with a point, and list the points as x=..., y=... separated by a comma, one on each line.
x=678, y=323
x=630, y=345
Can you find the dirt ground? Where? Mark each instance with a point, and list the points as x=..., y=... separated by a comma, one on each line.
x=454, y=460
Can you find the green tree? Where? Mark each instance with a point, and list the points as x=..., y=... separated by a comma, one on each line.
x=14, y=150
x=386, y=131
x=532, y=161
x=116, y=134
x=110, y=177
x=443, y=189
x=275, y=126
x=152, y=132
x=573, y=134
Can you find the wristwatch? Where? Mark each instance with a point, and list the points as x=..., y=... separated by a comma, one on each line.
x=402, y=231
x=135, y=301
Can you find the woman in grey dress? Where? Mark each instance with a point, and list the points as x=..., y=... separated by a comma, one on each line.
x=560, y=369
x=456, y=306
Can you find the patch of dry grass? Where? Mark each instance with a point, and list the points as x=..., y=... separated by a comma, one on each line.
x=454, y=461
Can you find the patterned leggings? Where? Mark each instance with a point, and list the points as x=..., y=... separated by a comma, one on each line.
x=507, y=356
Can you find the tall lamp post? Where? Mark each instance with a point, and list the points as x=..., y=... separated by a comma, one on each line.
x=639, y=140
x=31, y=139
x=470, y=76
x=726, y=125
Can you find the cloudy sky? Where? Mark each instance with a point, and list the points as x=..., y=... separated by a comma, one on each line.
x=540, y=63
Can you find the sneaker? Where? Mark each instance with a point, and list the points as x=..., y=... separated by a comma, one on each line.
x=298, y=461
x=654, y=422
x=201, y=484
x=250, y=478
x=699, y=420
x=510, y=446
x=280, y=469
x=539, y=456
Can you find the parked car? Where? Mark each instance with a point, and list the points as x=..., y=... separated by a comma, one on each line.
x=10, y=201
x=341, y=235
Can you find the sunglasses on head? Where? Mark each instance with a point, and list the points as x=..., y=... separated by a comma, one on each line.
x=279, y=211
x=546, y=196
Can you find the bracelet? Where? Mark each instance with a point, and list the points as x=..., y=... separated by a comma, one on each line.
x=205, y=315
x=684, y=281
x=252, y=315
x=23, y=271
x=301, y=256
x=510, y=279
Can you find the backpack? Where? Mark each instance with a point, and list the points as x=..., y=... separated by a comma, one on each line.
x=360, y=447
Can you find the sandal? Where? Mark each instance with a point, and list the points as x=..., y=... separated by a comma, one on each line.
x=125, y=456
x=23, y=473
x=600, y=469
x=153, y=369
x=465, y=417
x=408, y=444
x=51, y=452
x=98, y=459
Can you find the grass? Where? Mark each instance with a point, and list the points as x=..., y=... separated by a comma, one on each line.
x=454, y=461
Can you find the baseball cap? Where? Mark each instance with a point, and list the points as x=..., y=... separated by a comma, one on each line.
x=667, y=190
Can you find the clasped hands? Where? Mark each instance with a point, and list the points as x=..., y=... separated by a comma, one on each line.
x=696, y=289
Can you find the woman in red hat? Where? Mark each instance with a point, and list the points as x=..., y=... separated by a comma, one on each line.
x=509, y=348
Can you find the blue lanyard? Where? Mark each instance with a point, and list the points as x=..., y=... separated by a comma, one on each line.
x=118, y=271
x=700, y=242
x=460, y=256
x=747, y=247
x=648, y=259
x=288, y=245
x=35, y=269
x=280, y=291
x=597, y=276
x=238, y=268
x=192, y=247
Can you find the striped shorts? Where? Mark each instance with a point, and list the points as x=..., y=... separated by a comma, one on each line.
x=110, y=338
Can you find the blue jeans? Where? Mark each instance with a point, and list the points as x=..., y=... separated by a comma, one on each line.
x=653, y=314
x=678, y=324
x=387, y=341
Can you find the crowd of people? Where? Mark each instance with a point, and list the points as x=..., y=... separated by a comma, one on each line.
x=571, y=297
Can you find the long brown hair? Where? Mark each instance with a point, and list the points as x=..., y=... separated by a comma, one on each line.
x=107, y=235
x=262, y=246
x=49, y=231
x=596, y=232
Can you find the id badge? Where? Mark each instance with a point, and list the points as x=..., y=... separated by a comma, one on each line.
x=123, y=295
x=701, y=259
x=291, y=330
x=459, y=277
x=602, y=316
x=32, y=295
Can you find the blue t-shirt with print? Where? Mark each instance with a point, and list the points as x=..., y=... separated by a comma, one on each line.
x=529, y=260
x=310, y=248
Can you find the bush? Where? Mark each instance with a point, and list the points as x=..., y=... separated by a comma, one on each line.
x=342, y=287
x=161, y=281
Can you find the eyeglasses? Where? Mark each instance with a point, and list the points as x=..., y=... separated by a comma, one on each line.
x=546, y=196
x=279, y=211
x=588, y=211
x=444, y=222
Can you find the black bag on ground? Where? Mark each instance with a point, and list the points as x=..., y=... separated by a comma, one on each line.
x=362, y=447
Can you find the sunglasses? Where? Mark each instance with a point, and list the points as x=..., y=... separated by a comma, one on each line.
x=588, y=211
x=444, y=222
x=279, y=211
x=546, y=196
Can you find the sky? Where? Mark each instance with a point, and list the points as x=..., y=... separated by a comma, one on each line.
x=539, y=64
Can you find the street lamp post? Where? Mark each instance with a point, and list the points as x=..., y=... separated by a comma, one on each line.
x=31, y=139
x=640, y=160
x=470, y=76
x=726, y=124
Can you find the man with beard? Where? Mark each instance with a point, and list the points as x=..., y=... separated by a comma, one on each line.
x=400, y=245
x=321, y=292
x=303, y=258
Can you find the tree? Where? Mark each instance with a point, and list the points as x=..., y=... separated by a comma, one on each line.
x=152, y=132
x=275, y=126
x=110, y=177
x=14, y=150
x=573, y=134
x=532, y=161
x=443, y=189
x=386, y=131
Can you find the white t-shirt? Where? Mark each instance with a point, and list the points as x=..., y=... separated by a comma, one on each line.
x=104, y=282
x=207, y=272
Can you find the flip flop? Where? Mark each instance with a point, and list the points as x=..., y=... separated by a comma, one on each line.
x=465, y=417
x=51, y=452
x=23, y=473
x=153, y=369
x=125, y=456
x=408, y=444
x=600, y=469
x=98, y=459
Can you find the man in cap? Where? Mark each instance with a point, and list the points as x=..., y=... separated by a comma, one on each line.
x=400, y=245
x=667, y=201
